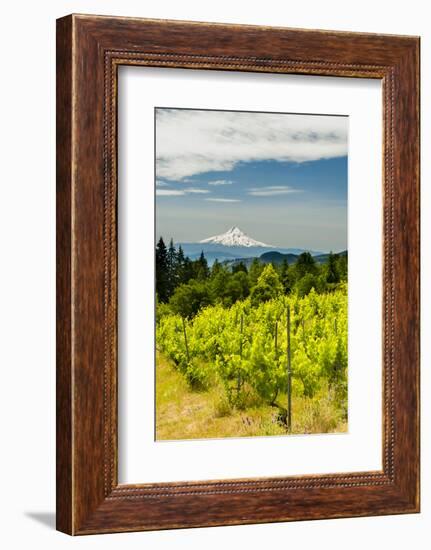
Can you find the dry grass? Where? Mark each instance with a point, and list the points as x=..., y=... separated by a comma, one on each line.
x=183, y=413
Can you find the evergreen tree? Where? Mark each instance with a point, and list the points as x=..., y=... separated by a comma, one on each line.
x=201, y=268
x=216, y=268
x=172, y=268
x=255, y=271
x=180, y=265
x=188, y=271
x=305, y=264
x=285, y=277
x=238, y=286
x=239, y=267
x=332, y=275
x=342, y=266
x=220, y=277
x=162, y=282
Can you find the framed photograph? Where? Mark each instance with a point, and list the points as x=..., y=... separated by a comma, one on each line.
x=237, y=274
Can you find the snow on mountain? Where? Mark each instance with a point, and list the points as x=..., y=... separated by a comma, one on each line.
x=235, y=237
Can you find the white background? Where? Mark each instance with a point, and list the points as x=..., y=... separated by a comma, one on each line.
x=27, y=218
x=141, y=458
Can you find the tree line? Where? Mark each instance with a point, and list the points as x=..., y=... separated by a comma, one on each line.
x=185, y=285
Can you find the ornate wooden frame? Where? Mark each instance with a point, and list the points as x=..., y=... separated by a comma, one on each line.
x=89, y=51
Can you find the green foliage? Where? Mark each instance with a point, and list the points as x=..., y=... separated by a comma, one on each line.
x=239, y=267
x=244, y=355
x=268, y=286
x=201, y=269
x=162, y=277
x=220, y=277
x=305, y=264
x=237, y=287
x=162, y=310
x=305, y=284
x=256, y=269
x=286, y=277
x=332, y=275
x=189, y=298
x=342, y=267
x=225, y=285
x=226, y=328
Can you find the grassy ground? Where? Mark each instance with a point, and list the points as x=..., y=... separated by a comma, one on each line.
x=182, y=413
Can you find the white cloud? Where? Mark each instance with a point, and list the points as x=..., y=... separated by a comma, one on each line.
x=190, y=142
x=169, y=192
x=180, y=192
x=223, y=200
x=196, y=190
x=220, y=182
x=160, y=183
x=272, y=190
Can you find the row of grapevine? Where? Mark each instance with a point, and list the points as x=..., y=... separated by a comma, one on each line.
x=247, y=348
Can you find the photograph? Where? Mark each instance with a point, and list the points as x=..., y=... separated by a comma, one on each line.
x=251, y=267
x=211, y=303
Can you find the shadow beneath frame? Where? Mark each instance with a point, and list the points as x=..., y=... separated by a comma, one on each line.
x=44, y=518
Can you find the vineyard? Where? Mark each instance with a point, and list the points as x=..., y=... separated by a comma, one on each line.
x=282, y=353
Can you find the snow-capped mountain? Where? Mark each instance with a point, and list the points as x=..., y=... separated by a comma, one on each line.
x=235, y=237
x=231, y=246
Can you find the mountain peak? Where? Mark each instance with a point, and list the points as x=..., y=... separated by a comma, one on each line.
x=235, y=230
x=235, y=237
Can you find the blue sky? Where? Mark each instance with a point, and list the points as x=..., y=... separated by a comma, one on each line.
x=281, y=178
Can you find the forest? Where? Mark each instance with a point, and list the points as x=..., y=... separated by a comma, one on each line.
x=250, y=351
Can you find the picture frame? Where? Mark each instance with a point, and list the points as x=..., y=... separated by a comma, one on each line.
x=89, y=51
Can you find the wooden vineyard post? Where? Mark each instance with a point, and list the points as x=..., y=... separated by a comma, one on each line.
x=185, y=340
x=241, y=332
x=276, y=339
x=289, y=372
x=240, y=352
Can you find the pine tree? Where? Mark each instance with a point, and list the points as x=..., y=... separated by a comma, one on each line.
x=188, y=271
x=161, y=271
x=305, y=264
x=256, y=269
x=172, y=268
x=342, y=266
x=285, y=277
x=220, y=277
x=239, y=267
x=180, y=265
x=332, y=275
x=216, y=268
x=201, y=268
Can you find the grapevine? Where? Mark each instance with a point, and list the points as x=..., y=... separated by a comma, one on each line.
x=245, y=347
